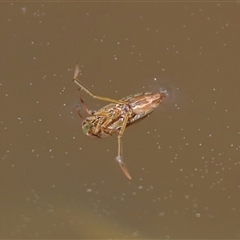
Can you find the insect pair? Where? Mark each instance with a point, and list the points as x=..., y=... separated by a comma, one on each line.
x=116, y=116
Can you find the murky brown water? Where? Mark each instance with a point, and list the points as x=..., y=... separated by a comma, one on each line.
x=184, y=159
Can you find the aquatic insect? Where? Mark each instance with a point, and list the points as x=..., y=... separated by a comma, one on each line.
x=116, y=116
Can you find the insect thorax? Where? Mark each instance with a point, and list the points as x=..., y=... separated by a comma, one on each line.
x=107, y=120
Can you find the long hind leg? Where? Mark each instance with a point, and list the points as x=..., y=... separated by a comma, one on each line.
x=119, y=156
x=82, y=87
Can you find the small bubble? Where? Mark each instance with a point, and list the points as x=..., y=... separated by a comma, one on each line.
x=161, y=214
x=187, y=197
x=135, y=234
x=24, y=9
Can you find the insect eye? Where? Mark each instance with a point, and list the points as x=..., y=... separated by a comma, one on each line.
x=86, y=127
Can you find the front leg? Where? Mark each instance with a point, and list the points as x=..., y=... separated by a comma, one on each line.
x=90, y=112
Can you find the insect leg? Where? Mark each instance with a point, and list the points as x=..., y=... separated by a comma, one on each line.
x=82, y=87
x=119, y=156
x=79, y=113
x=90, y=112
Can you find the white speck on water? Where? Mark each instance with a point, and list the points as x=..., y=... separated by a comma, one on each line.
x=24, y=9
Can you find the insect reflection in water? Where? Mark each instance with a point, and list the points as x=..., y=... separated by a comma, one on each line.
x=116, y=116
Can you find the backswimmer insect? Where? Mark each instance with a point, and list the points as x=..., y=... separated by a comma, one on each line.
x=116, y=116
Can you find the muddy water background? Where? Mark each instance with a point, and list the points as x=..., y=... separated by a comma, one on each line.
x=184, y=159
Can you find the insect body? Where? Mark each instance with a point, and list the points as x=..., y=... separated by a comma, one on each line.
x=116, y=116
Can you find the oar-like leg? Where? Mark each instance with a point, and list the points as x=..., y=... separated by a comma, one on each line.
x=75, y=79
x=119, y=156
